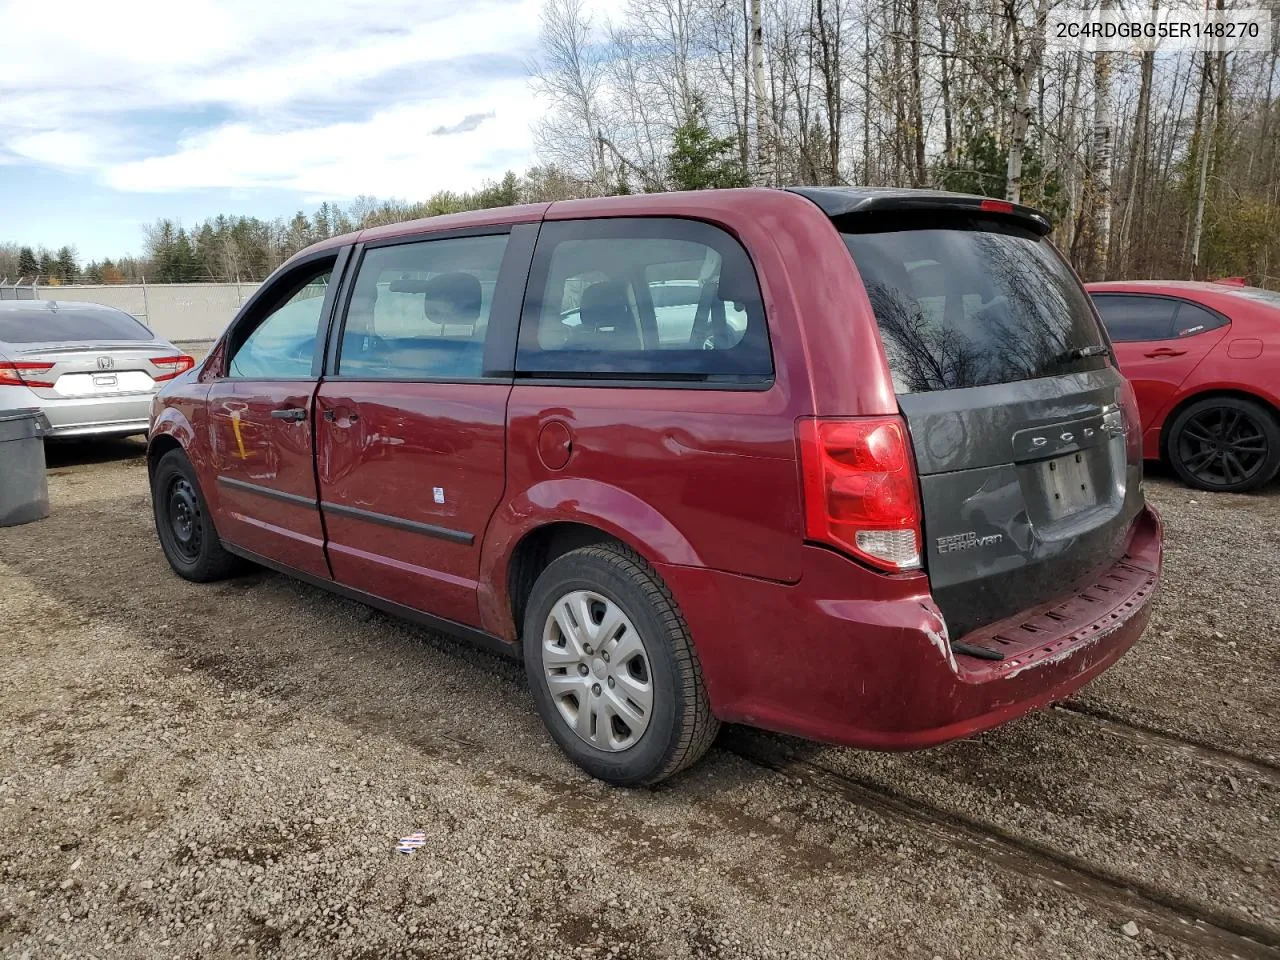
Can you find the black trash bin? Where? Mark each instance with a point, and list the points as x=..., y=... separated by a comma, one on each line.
x=24, y=488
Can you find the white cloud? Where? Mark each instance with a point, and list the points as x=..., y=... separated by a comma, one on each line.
x=59, y=148
x=393, y=153
x=328, y=97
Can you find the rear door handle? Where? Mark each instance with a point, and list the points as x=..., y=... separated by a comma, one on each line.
x=1164, y=352
x=295, y=414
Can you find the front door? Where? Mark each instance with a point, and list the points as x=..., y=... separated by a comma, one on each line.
x=410, y=435
x=260, y=418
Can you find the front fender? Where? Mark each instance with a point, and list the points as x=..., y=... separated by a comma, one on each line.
x=570, y=500
x=173, y=421
x=170, y=422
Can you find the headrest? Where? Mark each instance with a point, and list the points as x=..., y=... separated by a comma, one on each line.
x=452, y=298
x=604, y=304
x=737, y=281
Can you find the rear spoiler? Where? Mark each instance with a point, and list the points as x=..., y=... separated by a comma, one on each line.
x=1232, y=282
x=861, y=201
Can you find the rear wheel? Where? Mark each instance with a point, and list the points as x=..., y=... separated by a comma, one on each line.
x=612, y=668
x=1225, y=443
x=186, y=532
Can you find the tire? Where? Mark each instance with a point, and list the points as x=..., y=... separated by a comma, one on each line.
x=626, y=739
x=1226, y=444
x=183, y=523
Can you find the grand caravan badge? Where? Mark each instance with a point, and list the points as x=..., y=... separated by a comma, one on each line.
x=967, y=541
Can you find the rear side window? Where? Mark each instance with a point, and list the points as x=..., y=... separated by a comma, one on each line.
x=1130, y=318
x=972, y=304
x=43, y=324
x=1192, y=319
x=642, y=298
x=1134, y=317
x=421, y=310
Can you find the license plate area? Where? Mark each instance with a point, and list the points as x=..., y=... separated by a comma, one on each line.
x=1068, y=484
x=86, y=384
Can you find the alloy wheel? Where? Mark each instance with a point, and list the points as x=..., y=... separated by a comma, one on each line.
x=1222, y=446
x=597, y=670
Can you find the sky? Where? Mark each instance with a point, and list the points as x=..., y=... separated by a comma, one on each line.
x=115, y=114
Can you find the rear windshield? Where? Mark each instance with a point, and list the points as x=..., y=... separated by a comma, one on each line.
x=1257, y=293
x=45, y=325
x=974, y=304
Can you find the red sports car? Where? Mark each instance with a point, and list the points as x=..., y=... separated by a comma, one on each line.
x=1204, y=360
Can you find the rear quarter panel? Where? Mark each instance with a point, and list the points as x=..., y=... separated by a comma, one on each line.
x=1246, y=359
x=701, y=477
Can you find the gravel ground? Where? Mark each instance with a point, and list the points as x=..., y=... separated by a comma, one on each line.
x=223, y=771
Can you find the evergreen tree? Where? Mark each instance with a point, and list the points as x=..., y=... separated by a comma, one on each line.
x=68, y=269
x=700, y=160
x=507, y=192
x=48, y=268
x=299, y=232
x=183, y=265
x=27, y=265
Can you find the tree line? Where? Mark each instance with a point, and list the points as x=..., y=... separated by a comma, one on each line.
x=229, y=248
x=1152, y=165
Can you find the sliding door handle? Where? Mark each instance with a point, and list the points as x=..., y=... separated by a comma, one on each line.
x=293, y=414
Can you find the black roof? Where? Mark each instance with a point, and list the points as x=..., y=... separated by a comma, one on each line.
x=846, y=201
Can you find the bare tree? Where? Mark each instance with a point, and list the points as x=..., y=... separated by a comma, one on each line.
x=1100, y=166
x=1028, y=52
x=764, y=132
x=571, y=74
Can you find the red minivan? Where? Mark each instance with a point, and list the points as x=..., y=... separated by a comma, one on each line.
x=851, y=464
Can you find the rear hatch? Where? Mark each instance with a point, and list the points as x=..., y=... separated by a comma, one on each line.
x=1017, y=412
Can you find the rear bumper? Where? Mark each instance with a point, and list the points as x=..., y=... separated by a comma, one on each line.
x=97, y=416
x=878, y=672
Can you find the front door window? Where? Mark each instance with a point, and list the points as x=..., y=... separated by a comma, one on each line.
x=282, y=345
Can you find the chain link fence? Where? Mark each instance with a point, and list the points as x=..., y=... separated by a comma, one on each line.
x=181, y=312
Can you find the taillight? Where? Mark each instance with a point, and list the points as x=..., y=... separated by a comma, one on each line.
x=860, y=489
x=21, y=374
x=996, y=206
x=170, y=367
x=1130, y=421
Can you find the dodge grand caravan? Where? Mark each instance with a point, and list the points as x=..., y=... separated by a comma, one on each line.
x=851, y=464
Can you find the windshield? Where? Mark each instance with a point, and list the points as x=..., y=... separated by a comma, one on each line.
x=974, y=305
x=95, y=324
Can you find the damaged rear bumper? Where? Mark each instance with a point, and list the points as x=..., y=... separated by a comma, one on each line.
x=879, y=672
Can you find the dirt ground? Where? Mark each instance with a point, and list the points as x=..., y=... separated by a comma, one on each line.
x=223, y=771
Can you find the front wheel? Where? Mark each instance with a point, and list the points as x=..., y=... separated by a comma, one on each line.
x=612, y=668
x=1225, y=443
x=186, y=531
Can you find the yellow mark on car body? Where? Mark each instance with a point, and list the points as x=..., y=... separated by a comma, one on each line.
x=235, y=428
